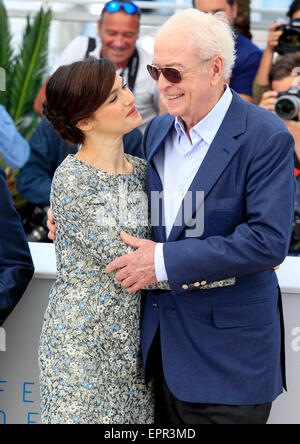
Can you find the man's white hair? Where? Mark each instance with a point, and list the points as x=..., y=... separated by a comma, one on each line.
x=211, y=34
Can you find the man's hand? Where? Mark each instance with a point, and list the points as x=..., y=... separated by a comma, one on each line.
x=268, y=100
x=273, y=36
x=135, y=270
x=51, y=225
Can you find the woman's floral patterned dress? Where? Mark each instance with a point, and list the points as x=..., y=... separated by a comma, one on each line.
x=89, y=356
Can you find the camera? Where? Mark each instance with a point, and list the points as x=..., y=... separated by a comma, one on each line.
x=288, y=103
x=289, y=41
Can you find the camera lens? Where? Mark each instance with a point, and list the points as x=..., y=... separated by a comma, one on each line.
x=291, y=38
x=287, y=107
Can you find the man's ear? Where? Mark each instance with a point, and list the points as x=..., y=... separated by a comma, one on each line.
x=217, y=66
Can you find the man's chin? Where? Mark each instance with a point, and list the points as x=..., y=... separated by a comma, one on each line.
x=119, y=58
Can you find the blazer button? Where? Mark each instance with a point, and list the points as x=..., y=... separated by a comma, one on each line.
x=155, y=305
x=185, y=287
x=203, y=283
x=197, y=284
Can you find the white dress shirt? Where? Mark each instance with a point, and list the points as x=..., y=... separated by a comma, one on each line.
x=178, y=164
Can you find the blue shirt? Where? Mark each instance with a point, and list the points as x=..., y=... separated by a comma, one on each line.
x=14, y=148
x=184, y=158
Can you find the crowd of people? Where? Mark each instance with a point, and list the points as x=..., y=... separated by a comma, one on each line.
x=153, y=318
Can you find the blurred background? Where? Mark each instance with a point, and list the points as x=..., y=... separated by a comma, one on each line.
x=74, y=17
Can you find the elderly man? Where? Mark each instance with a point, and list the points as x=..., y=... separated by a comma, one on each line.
x=118, y=31
x=248, y=55
x=16, y=267
x=215, y=350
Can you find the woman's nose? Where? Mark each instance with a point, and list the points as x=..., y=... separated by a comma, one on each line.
x=129, y=98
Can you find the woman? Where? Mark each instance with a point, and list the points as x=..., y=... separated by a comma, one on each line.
x=90, y=366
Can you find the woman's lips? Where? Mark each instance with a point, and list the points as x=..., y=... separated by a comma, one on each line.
x=132, y=112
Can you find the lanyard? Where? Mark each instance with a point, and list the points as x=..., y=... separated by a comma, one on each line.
x=133, y=66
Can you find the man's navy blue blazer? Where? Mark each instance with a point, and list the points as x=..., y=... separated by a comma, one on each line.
x=225, y=345
x=16, y=267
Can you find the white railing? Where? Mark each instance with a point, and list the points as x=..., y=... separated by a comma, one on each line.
x=153, y=19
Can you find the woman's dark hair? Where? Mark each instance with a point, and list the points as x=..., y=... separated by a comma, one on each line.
x=294, y=7
x=74, y=92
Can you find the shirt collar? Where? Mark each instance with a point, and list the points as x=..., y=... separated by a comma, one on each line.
x=208, y=127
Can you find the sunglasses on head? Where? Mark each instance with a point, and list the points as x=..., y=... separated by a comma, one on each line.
x=173, y=75
x=116, y=6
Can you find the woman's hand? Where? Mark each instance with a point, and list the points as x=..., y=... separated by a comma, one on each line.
x=51, y=225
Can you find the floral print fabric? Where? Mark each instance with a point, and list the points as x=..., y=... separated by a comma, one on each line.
x=89, y=357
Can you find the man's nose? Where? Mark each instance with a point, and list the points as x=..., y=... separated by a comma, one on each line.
x=119, y=41
x=162, y=82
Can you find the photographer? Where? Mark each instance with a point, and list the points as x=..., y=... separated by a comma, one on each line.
x=261, y=82
x=280, y=80
x=285, y=102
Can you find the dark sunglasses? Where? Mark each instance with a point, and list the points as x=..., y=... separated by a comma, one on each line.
x=173, y=75
x=116, y=6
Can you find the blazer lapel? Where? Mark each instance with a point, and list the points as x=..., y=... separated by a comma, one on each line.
x=219, y=155
x=157, y=135
x=155, y=142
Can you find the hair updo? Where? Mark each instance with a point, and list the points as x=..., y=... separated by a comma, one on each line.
x=74, y=92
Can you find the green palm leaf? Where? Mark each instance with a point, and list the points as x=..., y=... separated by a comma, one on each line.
x=29, y=70
x=24, y=74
